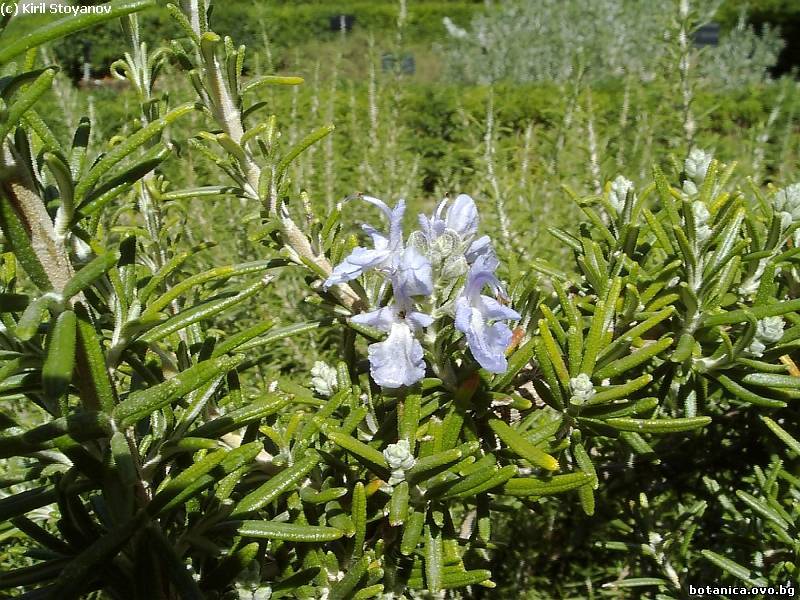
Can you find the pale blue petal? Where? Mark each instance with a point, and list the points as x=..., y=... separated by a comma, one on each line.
x=380, y=241
x=462, y=216
x=380, y=204
x=480, y=247
x=382, y=319
x=463, y=314
x=492, y=309
x=398, y=360
x=395, y=217
x=481, y=274
x=413, y=275
x=487, y=343
x=418, y=320
x=358, y=261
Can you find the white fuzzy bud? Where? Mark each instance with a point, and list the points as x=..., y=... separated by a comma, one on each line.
x=400, y=460
x=701, y=218
x=323, y=379
x=696, y=165
x=768, y=331
x=581, y=388
x=619, y=191
x=787, y=200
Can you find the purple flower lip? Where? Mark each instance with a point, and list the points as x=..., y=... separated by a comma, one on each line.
x=474, y=311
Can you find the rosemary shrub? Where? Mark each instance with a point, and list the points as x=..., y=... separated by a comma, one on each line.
x=385, y=474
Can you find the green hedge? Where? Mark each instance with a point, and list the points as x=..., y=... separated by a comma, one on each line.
x=286, y=25
x=783, y=14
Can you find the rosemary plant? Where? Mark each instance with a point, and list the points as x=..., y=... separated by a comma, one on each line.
x=471, y=383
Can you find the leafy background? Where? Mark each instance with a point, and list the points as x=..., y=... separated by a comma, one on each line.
x=520, y=148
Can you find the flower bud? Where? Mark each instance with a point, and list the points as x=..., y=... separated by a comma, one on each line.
x=696, y=165
x=768, y=331
x=701, y=218
x=400, y=460
x=581, y=388
x=323, y=379
x=787, y=200
x=619, y=191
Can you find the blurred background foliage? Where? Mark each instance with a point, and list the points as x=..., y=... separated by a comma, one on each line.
x=515, y=147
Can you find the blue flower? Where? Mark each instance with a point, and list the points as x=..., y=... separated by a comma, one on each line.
x=487, y=342
x=460, y=218
x=398, y=360
x=409, y=271
x=382, y=256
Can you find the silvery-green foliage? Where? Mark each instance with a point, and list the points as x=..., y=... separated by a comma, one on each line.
x=550, y=40
x=173, y=471
x=708, y=288
x=743, y=57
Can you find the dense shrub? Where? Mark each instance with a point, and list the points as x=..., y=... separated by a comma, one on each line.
x=637, y=395
x=285, y=25
x=554, y=40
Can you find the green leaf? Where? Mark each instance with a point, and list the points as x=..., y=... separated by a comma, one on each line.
x=301, y=146
x=142, y=403
x=498, y=477
x=68, y=25
x=791, y=442
x=25, y=99
x=216, y=274
x=313, y=425
x=346, y=585
x=614, y=392
x=763, y=509
x=95, y=386
x=530, y=486
x=270, y=80
x=292, y=532
x=746, y=395
x=124, y=149
x=59, y=361
x=88, y=274
x=398, y=504
x=409, y=418
x=433, y=463
x=620, y=366
x=658, y=425
x=277, y=485
x=230, y=567
x=519, y=445
x=202, y=311
x=729, y=566
x=80, y=427
x=773, y=380
x=359, y=510
x=238, y=418
x=412, y=532
x=16, y=236
x=433, y=558
x=454, y=577
x=168, y=492
x=372, y=457
x=759, y=312
x=593, y=343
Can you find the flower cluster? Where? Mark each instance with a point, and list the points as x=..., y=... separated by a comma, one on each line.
x=438, y=273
